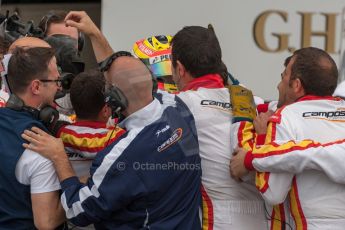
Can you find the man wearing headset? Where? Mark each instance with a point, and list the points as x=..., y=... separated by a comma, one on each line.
x=68, y=43
x=29, y=188
x=89, y=134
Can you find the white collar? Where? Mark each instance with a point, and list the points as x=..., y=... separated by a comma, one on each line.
x=144, y=116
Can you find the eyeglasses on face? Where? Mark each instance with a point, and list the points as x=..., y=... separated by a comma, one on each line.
x=57, y=81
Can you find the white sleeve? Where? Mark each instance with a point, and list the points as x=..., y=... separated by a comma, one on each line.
x=279, y=185
x=305, y=155
x=38, y=172
x=274, y=187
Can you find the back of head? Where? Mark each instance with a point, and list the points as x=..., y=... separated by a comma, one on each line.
x=53, y=23
x=87, y=94
x=155, y=53
x=27, y=42
x=27, y=64
x=198, y=49
x=133, y=78
x=317, y=71
x=53, y=16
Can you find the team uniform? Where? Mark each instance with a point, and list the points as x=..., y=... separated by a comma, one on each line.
x=83, y=140
x=314, y=201
x=227, y=204
x=147, y=179
x=295, y=157
x=22, y=172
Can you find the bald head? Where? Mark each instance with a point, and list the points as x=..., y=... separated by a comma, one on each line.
x=134, y=79
x=27, y=42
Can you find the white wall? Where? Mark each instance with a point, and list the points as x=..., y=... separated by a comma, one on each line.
x=124, y=22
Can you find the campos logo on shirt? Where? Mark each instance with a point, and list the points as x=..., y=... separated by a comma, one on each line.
x=329, y=115
x=176, y=135
x=216, y=104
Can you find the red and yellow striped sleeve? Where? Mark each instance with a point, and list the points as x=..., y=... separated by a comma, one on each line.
x=246, y=135
x=262, y=180
x=89, y=142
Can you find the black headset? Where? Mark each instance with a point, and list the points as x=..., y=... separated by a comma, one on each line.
x=116, y=100
x=44, y=26
x=114, y=97
x=47, y=115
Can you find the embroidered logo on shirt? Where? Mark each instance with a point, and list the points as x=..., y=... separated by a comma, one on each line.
x=216, y=104
x=327, y=115
x=162, y=130
x=176, y=135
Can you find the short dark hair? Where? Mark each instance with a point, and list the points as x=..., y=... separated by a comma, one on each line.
x=316, y=69
x=87, y=94
x=27, y=64
x=198, y=49
x=53, y=16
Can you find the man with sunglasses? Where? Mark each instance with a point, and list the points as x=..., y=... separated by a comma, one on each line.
x=29, y=187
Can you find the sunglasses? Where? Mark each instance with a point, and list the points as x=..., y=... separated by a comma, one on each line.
x=57, y=81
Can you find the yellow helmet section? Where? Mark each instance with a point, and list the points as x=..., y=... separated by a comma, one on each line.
x=152, y=46
x=155, y=52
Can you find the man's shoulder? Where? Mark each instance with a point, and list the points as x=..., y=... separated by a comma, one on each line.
x=32, y=159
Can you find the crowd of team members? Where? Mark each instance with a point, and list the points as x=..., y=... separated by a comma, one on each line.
x=147, y=143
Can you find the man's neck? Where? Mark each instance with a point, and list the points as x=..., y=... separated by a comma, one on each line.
x=134, y=107
x=29, y=101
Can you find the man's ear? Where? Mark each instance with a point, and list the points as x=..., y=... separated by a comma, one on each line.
x=105, y=113
x=181, y=69
x=298, y=87
x=35, y=87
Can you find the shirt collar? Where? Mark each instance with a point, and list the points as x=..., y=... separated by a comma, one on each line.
x=209, y=81
x=91, y=124
x=144, y=116
x=314, y=97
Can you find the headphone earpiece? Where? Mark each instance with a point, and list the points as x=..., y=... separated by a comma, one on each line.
x=66, y=80
x=116, y=100
x=47, y=115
